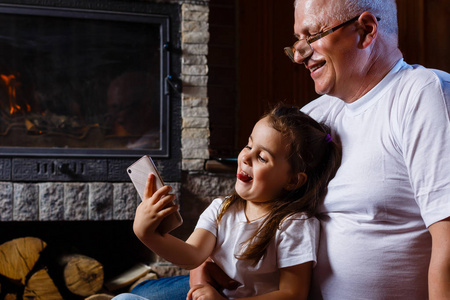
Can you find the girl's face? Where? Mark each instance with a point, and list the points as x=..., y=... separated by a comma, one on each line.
x=263, y=171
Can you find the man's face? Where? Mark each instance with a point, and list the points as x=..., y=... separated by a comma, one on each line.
x=334, y=63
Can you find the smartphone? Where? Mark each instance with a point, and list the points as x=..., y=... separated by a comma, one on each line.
x=138, y=173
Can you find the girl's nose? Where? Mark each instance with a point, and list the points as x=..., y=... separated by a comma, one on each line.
x=246, y=158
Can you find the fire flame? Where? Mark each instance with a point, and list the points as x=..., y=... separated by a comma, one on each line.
x=11, y=83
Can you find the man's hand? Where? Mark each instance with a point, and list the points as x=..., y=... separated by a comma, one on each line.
x=209, y=273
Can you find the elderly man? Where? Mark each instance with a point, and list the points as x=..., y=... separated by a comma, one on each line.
x=385, y=220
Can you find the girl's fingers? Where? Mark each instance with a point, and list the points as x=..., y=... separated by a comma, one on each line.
x=162, y=202
x=150, y=186
x=151, y=193
x=165, y=203
x=192, y=290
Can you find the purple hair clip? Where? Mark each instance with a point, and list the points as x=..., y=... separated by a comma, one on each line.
x=328, y=138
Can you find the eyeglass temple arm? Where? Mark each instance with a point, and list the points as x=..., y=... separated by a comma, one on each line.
x=323, y=34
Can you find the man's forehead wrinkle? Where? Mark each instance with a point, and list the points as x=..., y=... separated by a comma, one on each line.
x=310, y=23
x=316, y=12
x=315, y=7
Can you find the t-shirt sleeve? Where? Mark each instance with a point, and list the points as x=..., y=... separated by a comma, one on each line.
x=425, y=140
x=208, y=219
x=297, y=241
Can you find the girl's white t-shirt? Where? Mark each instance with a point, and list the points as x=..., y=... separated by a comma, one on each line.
x=296, y=242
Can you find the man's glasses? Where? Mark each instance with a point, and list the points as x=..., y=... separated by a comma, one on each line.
x=303, y=46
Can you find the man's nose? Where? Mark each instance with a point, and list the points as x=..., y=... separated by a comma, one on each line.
x=300, y=59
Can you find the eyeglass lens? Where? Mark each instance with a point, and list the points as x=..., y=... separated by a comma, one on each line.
x=302, y=47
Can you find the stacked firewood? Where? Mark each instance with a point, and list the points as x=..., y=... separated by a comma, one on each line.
x=22, y=277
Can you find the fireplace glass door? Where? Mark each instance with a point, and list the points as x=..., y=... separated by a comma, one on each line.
x=76, y=82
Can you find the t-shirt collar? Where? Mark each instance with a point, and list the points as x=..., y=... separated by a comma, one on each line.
x=376, y=92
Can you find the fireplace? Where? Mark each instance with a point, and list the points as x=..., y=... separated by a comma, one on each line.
x=86, y=88
x=84, y=92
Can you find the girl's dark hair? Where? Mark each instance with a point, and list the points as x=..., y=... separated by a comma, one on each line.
x=311, y=151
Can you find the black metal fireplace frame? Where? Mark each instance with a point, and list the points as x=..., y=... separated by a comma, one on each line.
x=163, y=22
x=47, y=164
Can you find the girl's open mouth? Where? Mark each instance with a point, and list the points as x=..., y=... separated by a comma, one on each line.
x=242, y=176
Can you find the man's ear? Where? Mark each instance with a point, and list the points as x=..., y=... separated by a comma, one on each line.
x=297, y=180
x=368, y=25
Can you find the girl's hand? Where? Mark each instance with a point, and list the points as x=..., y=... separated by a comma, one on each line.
x=151, y=211
x=204, y=292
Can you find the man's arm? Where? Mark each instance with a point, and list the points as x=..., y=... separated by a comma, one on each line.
x=210, y=273
x=294, y=284
x=439, y=270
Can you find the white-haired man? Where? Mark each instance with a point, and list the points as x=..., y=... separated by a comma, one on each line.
x=385, y=220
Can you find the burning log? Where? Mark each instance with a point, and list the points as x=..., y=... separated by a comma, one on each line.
x=83, y=275
x=10, y=297
x=41, y=287
x=19, y=257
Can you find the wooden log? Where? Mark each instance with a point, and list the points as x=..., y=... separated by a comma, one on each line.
x=128, y=277
x=83, y=275
x=41, y=287
x=19, y=256
x=100, y=297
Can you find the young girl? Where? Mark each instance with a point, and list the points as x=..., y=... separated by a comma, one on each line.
x=265, y=235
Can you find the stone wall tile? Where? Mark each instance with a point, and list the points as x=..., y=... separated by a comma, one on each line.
x=195, y=143
x=189, y=101
x=6, y=201
x=190, y=26
x=201, y=16
x=198, y=49
x=51, y=201
x=26, y=202
x=100, y=201
x=195, y=37
x=194, y=60
x=194, y=122
x=210, y=185
x=195, y=153
x=194, y=69
x=194, y=112
x=193, y=164
x=187, y=7
x=196, y=133
x=194, y=80
x=125, y=201
x=195, y=91
x=76, y=199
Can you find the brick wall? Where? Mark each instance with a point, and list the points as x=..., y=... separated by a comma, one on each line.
x=194, y=76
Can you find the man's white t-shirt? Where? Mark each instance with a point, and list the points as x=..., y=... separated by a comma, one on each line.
x=394, y=182
x=296, y=242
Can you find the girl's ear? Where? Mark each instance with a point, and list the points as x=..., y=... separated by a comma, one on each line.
x=297, y=180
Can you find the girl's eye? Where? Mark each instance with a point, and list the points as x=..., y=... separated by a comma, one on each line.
x=261, y=159
x=248, y=147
